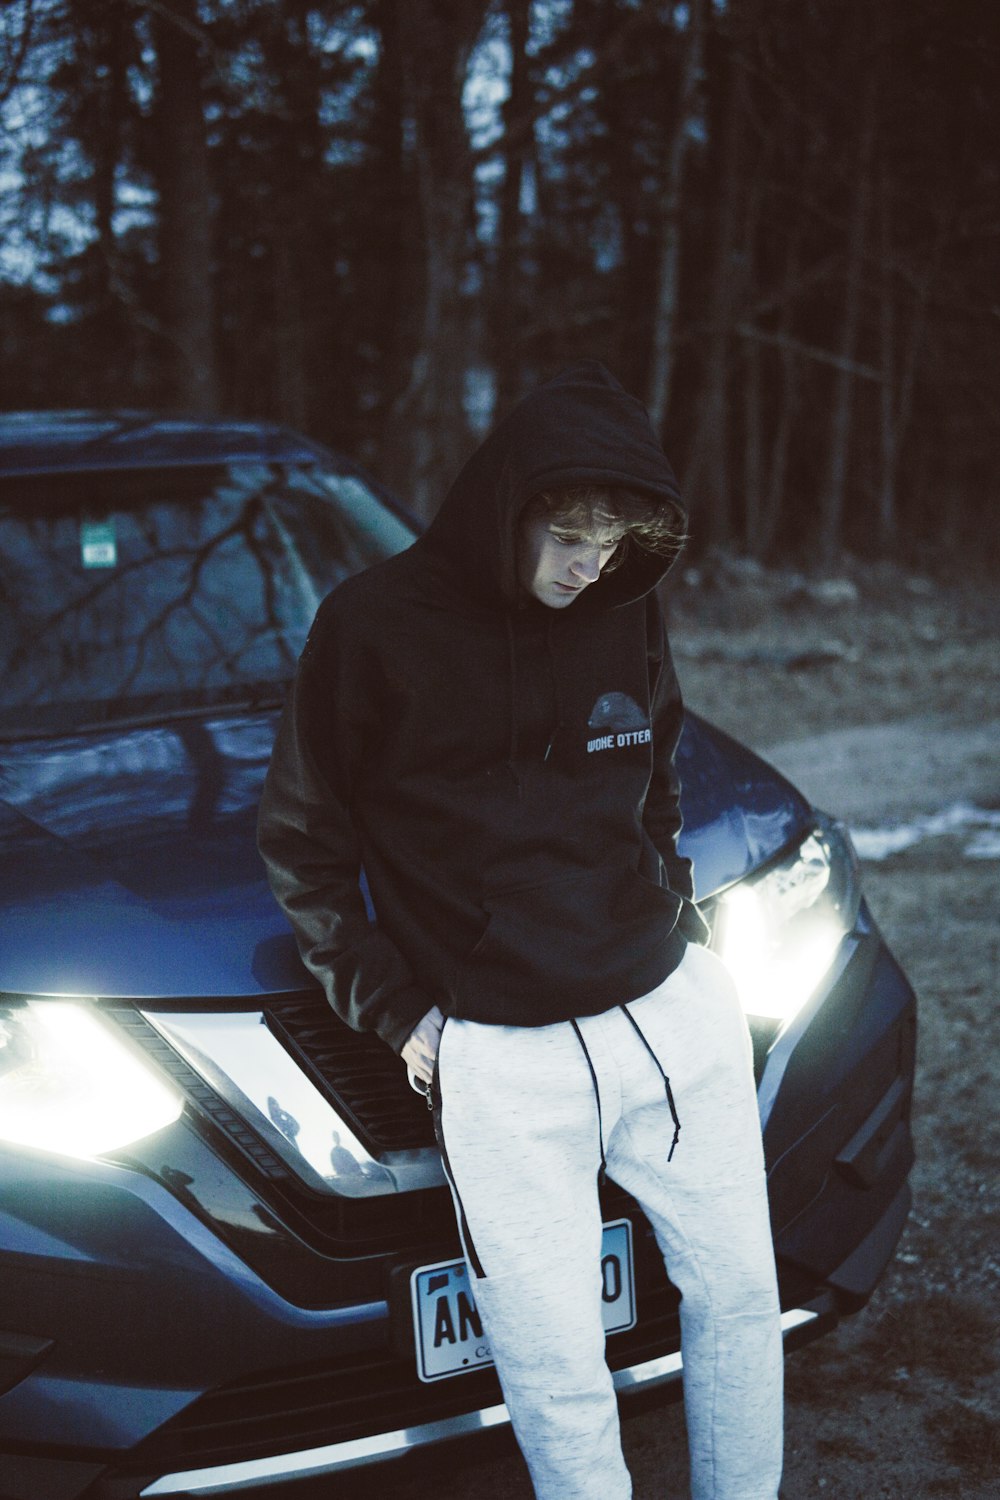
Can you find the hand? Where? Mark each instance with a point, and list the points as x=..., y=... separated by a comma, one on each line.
x=420, y=1051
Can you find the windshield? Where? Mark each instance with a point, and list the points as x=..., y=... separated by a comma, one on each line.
x=149, y=591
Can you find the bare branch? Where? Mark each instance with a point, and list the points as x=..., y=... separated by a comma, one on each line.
x=809, y=351
x=14, y=53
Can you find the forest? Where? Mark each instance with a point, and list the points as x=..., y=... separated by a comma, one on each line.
x=380, y=222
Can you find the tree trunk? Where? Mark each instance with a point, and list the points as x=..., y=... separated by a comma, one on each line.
x=899, y=374
x=890, y=431
x=753, y=403
x=292, y=406
x=298, y=234
x=111, y=104
x=395, y=244
x=707, y=480
x=830, y=540
x=518, y=130
x=788, y=407
x=437, y=40
x=104, y=42
x=186, y=211
x=667, y=293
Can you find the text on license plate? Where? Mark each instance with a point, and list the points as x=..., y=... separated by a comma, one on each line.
x=449, y=1334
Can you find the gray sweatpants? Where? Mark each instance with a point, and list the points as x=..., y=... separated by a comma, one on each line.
x=523, y=1113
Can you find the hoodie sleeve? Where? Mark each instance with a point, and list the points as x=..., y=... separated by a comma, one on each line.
x=310, y=846
x=662, y=813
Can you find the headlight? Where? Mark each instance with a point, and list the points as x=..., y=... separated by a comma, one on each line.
x=67, y=1084
x=778, y=933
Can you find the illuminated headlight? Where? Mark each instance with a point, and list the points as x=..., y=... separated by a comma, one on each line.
x=778, y=933
x=67, y=1084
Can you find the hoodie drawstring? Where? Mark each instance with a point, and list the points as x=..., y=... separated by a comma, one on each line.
x=666, y=1081
x=554, y=684
x=603, y=1169
x=512, y=684
x=513, y=744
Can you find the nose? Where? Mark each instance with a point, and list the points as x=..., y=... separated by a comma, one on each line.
x=587, y=565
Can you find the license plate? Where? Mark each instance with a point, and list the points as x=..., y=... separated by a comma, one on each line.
x=449, y=1334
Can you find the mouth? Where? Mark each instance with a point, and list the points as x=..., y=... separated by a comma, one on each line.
x=570, y=588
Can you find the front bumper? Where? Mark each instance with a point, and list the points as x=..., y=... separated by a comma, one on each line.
x=799, y=1325
x=163, y=1362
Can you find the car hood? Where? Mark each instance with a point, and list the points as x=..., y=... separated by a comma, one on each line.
x=128, y=860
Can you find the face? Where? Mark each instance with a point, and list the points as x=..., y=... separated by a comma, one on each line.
x=557, y=561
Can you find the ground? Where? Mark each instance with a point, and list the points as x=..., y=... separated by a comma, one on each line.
x=876, y=692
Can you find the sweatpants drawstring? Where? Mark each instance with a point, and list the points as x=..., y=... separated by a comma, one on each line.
x=666, y=1081
x=602, y=1171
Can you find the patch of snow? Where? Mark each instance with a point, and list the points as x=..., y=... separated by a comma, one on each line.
x=985, y=845
x=834, y=592
x=879, y=843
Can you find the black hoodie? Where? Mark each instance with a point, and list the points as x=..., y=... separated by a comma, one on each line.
x=502, y=771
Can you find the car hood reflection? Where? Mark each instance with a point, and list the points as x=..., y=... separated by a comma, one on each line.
x=128, y=864
x=128, y=861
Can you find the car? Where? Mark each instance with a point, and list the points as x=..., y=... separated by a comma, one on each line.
x=228, y=1258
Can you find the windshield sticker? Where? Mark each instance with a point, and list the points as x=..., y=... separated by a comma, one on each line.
x=98, y=545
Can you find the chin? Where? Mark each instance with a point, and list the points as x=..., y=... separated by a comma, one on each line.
x=556, y=596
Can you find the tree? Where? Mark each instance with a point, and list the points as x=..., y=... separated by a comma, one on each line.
x=436, y=41
x=685, y=127
x=16, y=23
x=187, y=210
x=777, y=220
x=517, y=143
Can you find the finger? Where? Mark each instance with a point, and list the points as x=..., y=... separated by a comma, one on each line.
x=418, y=1082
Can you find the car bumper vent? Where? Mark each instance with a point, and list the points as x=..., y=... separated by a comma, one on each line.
x=274, y=1411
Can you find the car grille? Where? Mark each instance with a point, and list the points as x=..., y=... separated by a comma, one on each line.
x=356, y=1070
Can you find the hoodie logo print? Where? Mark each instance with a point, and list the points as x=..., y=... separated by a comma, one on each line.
x=621, y=721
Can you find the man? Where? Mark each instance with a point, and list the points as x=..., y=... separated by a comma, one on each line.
x=487, y=724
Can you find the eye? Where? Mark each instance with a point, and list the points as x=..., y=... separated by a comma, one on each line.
x=565, y=540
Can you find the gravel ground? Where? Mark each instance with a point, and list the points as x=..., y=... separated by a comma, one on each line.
x=902, y=1400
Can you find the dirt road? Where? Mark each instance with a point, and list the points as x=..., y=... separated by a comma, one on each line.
x=897, y=732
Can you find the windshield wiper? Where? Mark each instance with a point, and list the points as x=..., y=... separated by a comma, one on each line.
x=271, y=696
x=267, y=696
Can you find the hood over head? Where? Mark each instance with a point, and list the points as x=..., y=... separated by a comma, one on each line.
x=581, y=427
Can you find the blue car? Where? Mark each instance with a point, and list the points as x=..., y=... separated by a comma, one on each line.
x=227, y=1252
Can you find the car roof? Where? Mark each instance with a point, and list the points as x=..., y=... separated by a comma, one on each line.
x=47, y=442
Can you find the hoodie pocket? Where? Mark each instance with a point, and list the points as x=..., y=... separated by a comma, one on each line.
x=580, y=931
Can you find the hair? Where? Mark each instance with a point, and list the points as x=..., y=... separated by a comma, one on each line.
x=652, y=522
